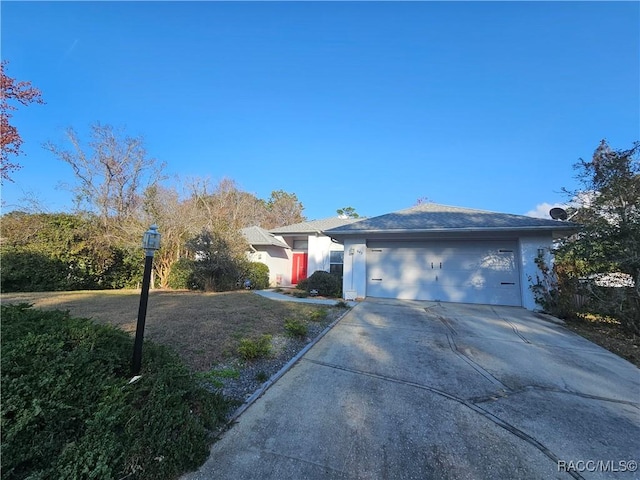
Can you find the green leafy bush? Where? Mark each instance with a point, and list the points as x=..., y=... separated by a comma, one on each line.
x=26, y=271
x=52, y=252
x=327, y=284
x=318, y=315
x=258, y=275
x=295, y=328
x=68, y=410
x=123, y=269
x=218, y=267
x=554, y=291
x=183, y=275
x=251, y=348
x=621, y=303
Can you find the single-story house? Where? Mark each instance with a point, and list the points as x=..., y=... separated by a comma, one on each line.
x=265, y=248
x=445, y=253
x=295, y=251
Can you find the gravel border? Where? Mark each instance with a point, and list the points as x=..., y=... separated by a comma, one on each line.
x=256, y=376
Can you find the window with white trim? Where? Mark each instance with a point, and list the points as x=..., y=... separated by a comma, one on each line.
x=336, y=261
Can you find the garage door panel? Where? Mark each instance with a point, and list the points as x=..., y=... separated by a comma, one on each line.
x=484, y=272
x=466, y=292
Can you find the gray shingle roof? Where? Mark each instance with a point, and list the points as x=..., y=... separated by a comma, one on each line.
x=259, y=236
x=432, y=217
x=313, y=226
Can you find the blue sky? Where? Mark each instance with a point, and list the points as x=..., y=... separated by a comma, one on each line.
x=366, y=104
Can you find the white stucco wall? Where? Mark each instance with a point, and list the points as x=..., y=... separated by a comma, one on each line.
x=277, y=259
x=320, y=249
x=318, y=259
x=354, y=277
x=529, y=247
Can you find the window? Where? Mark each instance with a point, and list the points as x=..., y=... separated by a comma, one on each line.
x=301, y=245
x=336, y=260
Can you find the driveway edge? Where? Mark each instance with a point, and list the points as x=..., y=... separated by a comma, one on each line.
x=285, y=368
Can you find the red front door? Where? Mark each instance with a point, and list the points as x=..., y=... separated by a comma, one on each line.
x=299, y=267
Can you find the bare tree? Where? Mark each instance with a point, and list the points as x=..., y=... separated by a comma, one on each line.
x=215, y=212
x=178, y=221
x=112, y=174
x=234, y=208
x=226, y=205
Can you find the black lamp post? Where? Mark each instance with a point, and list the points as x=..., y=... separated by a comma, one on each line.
x=150, y=243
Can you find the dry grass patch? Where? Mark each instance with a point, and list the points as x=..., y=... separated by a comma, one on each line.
x=204, y=328
x=607, y=333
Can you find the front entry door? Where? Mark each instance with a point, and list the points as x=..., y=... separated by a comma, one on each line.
x=299, y=267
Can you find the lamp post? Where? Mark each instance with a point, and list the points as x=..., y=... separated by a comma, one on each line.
x=150, y=243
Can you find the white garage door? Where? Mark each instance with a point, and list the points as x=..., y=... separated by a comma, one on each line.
x=449, y=271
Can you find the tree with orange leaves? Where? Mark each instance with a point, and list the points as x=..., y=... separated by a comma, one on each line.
x=10, y=140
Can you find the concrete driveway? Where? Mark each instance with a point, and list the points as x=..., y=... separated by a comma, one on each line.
x=421, y=390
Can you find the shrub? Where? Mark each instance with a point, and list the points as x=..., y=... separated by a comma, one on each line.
x=250, y=349
x=68, y=410
x=300, y=294
x=303, y=285
x=318, y=315
x=621, y=303
x=26, y=271
x=258, y=275
x=295, y=328
x=218, y=267
x=554, y=290
x=52, y=252
x=122, y=269
x=183, y=275
x=327, y=284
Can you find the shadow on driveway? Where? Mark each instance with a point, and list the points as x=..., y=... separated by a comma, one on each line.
x=405, y=389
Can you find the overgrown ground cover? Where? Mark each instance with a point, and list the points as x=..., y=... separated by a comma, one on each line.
x=69, y=411
x=67, y=408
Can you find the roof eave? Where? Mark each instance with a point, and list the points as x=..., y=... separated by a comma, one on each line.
x=542, y=228
x=266, y=244
x=297, y=232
